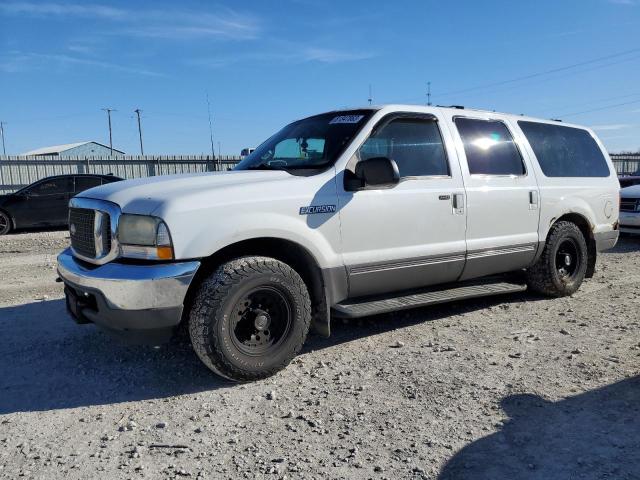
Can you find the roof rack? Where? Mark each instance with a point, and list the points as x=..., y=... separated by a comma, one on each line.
x=555, y=120
x=459, y=107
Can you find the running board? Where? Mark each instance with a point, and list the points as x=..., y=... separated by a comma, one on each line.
x=355, y=308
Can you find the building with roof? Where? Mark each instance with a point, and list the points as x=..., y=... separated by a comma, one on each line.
x=75, y=150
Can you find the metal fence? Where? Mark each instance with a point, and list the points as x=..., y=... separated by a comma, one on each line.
x=19, y=171
x=626, y=164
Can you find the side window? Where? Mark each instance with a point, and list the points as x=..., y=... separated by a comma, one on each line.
x=55, y=186
x=85, y=183
x=415, y=145
x=489, y=147
x=565, y=151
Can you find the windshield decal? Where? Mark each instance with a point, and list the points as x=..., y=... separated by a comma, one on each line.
x=346, y=119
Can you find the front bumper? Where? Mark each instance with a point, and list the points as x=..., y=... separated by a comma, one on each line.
x=127, y=298
x=606, y=240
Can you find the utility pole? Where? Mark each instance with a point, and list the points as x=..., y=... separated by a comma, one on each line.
x=219, y=149
x=213, y=153
x=4, y=150
x=429, y=93
x=370, y=95
x=109, y=110
x=138, y=112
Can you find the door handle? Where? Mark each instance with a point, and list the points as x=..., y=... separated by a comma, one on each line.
x=533, y=200
x=458, y=203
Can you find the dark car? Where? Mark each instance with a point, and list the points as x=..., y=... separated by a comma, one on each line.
x=45, y=203
x=630, y=179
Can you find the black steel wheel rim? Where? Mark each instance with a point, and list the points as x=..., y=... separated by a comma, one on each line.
x=261, y=320
x=567, y=259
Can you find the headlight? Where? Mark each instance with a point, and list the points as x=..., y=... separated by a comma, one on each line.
x=144, y=237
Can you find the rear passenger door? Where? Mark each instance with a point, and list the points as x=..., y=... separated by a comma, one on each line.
x=502, y=196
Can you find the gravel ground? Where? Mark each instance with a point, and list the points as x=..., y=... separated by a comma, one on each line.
x=506, y=387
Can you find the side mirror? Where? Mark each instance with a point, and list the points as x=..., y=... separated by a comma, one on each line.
x=377, y=172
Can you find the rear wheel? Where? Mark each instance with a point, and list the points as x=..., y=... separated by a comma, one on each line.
x=250, y=318
x=562, y=266
x=5, y=223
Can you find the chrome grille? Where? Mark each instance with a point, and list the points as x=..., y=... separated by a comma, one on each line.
x=92, y=227
x=629, y=204
x=81, y=224
x=106, y=233
x=90, y=232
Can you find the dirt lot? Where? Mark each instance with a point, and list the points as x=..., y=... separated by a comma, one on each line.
x=509, y=387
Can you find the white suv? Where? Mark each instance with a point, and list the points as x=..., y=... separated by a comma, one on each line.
x=348, y=213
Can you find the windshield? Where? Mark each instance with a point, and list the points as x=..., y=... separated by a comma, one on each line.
x=311, y=143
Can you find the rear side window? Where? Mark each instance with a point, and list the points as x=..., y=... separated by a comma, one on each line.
x=489, y=147
x=414, y=144
x=565, y=151
x=85, y=183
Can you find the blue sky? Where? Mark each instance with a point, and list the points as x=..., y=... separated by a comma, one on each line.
x=265, y=63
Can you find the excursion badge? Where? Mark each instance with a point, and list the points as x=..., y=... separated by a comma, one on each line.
x=312, y=209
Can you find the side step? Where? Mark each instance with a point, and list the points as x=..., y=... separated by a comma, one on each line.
x=362, y=307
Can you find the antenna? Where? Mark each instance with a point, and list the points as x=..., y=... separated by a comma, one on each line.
x=213, y=153
x=109, y=110
x=429, y=93
x=4, y=150
x=138, y=112
x=370, y=95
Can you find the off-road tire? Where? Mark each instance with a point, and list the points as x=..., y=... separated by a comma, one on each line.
x=5, y=223
x=544, y=277
x=215, y=304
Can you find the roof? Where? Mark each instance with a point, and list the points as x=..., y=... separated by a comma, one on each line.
x=54, y=149
x=459, y=111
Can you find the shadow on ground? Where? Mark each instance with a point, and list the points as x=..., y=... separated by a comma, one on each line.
x=594, y=435
x=48, y=362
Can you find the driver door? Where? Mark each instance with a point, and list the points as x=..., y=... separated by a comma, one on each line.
x=411, y=235
x=46, y=203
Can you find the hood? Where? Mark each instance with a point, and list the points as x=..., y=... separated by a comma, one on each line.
x=632, y=191
x=144, y=195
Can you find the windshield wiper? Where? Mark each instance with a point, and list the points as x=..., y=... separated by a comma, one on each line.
x=264, y=166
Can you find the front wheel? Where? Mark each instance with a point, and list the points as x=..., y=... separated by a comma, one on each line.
x=250, y=318
x=561, y=268
x=5, y=223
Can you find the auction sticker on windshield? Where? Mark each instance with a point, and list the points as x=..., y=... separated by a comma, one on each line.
x=347, y=119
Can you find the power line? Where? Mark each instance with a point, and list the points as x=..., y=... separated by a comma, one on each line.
x=601, y=108
x=597, y=100
x=546, y=72
x=568, y=74
x=109, y=110
x=138, y=112
x=539, y=74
